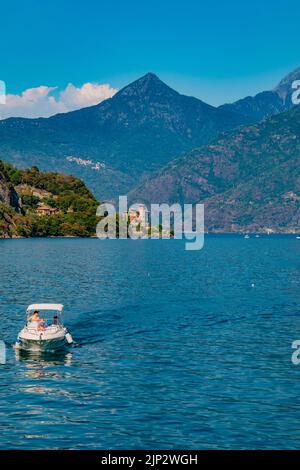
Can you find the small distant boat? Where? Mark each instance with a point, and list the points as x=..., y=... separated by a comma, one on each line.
x=257, y=236
x=44, y=329
x=246, y=236
x=298, y=238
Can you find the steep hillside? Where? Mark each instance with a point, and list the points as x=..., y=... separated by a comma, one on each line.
x=33, y=203
x=249, y=179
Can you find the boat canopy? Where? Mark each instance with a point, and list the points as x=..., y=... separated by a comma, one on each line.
x=55, y=307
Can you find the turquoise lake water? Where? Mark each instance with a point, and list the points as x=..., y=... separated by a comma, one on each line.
x=175, y=349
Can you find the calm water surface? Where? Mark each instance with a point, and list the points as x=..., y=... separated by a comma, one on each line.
x=175, y=349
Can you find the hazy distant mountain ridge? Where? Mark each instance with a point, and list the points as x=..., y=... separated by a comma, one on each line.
x=267, y=103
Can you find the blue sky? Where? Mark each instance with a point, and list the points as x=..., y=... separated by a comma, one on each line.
x=215, y=50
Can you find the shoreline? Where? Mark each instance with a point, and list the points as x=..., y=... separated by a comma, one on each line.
x=216, y=234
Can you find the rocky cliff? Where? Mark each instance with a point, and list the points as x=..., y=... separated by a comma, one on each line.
x=8, y=194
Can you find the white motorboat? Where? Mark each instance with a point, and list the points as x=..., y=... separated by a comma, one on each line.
x=44, y=329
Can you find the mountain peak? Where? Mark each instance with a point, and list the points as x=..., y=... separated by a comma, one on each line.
x=150, y=76
x=284, y=87
x=149, y=84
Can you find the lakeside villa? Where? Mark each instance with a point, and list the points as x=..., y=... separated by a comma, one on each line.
x=44, y=209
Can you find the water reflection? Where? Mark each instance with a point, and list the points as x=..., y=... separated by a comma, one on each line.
x=41, y=359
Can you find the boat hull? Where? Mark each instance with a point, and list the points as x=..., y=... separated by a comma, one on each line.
x=49, y=339
x=46, y=345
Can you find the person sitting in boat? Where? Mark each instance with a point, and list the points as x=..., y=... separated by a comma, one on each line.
x=34, y=318
x=36, y=321
x=41, y=325
x=55, y=320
